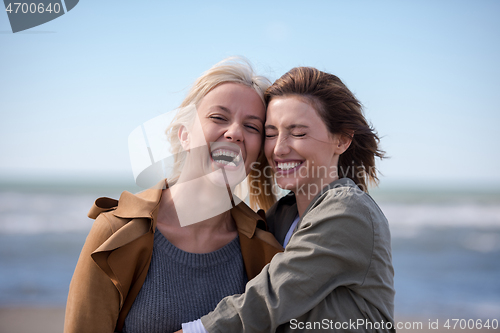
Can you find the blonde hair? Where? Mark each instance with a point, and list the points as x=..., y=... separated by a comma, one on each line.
x=235, y=70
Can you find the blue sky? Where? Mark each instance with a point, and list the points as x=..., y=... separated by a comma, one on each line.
x=73, y=89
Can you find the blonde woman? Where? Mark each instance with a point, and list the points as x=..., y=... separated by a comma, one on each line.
x=146, y=266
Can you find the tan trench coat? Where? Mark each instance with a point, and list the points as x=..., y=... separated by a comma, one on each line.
x=115, y=259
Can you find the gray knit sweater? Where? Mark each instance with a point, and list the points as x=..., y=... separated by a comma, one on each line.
x=182, y=286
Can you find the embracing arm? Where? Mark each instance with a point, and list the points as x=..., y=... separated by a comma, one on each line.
x=331, y=248
x=93, y=300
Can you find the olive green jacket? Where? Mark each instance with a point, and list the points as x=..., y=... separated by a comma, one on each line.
x=115, y=259
x=336, y=270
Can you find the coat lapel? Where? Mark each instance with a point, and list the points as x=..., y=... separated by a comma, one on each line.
x=132, y=220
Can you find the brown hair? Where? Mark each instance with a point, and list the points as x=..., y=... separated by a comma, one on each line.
x=342, y=114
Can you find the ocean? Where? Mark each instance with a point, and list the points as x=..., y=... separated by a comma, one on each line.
x=445, y=246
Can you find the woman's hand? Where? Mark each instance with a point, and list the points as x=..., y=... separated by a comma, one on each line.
x=179, y=331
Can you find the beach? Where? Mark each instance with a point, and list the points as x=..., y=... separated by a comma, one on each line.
x=31, y=320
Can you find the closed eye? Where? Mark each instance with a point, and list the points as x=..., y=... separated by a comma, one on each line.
x=253, y=128
x=220, y=118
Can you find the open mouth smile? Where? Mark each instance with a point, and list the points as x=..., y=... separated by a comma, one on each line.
x=289, y=166
x=225, y=157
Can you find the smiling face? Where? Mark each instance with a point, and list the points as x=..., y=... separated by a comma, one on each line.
x=299, y=147
x=231, y=117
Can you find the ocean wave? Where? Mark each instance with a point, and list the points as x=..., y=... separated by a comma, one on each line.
x=444, y=215
x=44, y=213
x=22, y=212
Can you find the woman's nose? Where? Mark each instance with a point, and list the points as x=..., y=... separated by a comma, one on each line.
x=281, y=148
x=234, y=133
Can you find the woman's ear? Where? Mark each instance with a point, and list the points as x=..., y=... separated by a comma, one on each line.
x=183, y=135
x=343, y=142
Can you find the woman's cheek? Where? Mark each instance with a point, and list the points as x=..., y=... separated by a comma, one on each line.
x=256, y=146
x=268, y=149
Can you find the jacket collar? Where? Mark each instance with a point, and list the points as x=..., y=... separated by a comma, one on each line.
x=146, y=205
x=282, y=214
x=339, y=184
x=140, y=205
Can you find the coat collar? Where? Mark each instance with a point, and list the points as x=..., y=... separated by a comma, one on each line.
x=141, y=205
x=283, y=213
x=145, y=205
x=341, y=184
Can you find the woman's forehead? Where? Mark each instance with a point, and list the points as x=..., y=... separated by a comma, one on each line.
x=291, y=111
x=234, y=99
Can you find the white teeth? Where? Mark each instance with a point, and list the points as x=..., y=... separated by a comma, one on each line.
x=287, y=166
x=226, y=163
x=224, y=152
x=235, y=157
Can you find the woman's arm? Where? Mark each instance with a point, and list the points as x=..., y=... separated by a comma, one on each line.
x=93, y=300
x=332, y=247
